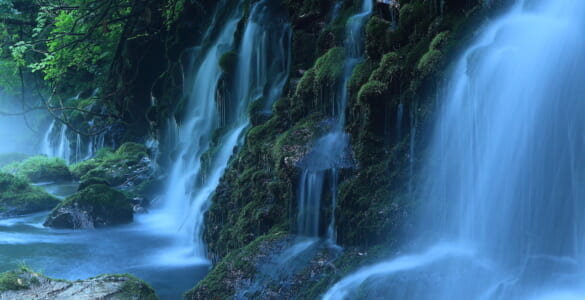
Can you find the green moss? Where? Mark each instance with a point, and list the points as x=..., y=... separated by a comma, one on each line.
x=390, y=68
x=132, y=151
x=91, y=181
x=40, y=168
x=105, y=206
x=133, y=288
x=376, y=32
x=13, y=281
x=239, y=265
x=18, y=197
x=359, y=76
x=81, y=168
x=320, y=83
x=429, y=63
x=440, y=41
x=372, y=92
x=114, y=168
x=329, y=68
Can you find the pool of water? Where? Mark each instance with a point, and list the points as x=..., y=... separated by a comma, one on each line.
x=79, y=254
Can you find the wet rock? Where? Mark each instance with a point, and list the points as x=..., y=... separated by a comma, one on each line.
x=18, y=197
x=95, y=206
x=26, y=284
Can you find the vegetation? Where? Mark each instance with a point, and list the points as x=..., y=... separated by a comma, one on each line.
x=40, y=169
x=95, y=206
x=18, y=197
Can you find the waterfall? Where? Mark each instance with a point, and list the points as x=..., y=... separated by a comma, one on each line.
x=330, y=152
x=261, y=72
x=503, y=183
x=55, y=142
x=264, y=57
x=78, y=148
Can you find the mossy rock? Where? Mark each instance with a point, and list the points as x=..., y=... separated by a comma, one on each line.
x=40, y=169
x=129, y=163
x=27, y=284
x=320, y=83
x=376, y=31
x=81, y=168
x=18, y=197
x=13, y=281
x=91, y=181
x=133, y=151
x=97, y=205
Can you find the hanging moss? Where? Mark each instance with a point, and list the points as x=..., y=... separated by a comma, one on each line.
x=318, y=86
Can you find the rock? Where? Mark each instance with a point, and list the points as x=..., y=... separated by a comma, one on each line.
x=18, y=197
x=26, y=284
x=95, y=206
x=40, y=169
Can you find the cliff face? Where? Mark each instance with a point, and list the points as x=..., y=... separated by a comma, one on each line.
x=252, y=220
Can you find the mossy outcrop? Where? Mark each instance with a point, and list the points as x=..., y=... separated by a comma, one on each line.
x=391, y=97
x=95, y=206
x=18, y=197
x=26, y=284
x=128, y=168
x=40, y=169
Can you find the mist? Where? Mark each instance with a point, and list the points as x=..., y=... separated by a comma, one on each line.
x=20, y=132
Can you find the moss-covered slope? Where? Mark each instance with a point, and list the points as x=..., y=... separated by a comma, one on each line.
x=391, y=94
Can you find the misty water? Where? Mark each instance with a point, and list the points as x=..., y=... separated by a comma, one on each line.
x=502, y=194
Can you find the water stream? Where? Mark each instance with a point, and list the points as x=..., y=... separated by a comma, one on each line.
x=55, y=142
x=330, y=152
x=261, y=72
x=503, y=178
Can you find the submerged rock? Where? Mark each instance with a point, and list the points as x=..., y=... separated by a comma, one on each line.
x=18, y=197
x=95, y=206
x=26, y=284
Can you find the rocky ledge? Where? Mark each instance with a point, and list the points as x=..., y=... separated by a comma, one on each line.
x=26, y=284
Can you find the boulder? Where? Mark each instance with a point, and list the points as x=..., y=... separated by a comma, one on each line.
x=26, y=284
x=18, y=197
x=95, y=206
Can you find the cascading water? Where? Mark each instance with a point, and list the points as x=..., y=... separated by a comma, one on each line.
x=185, y=199
x=55, y=142
x=329, y=153
x=505, y=214
x=264, y=58
x=261, y=72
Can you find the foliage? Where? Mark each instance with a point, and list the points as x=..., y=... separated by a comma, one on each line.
x=172, y=11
